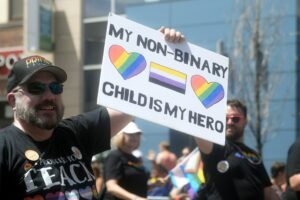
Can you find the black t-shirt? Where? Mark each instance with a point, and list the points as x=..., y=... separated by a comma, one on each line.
x=58, y=168
x=128, y=170
x=233, y=171
x=292, y=168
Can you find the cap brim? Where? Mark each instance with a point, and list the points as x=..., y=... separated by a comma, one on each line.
x=131, y=128
x=129, y=133
x=57, y=72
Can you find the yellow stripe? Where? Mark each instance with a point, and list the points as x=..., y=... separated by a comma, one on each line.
x=201, y=176
x=119, y=62
x=168, y=70
x=202, y=89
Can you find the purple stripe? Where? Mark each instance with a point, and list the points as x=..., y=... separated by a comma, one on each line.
x=140, y=67
x=167, y=80
x=172, y=87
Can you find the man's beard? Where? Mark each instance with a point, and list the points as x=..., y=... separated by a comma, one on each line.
x=235, y=134
x=30, y=115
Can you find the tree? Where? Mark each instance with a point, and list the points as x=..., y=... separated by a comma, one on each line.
x=256, y=34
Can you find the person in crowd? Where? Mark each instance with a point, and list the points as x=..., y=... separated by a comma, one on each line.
x=42, y=155
x=159, y=184
x=98, y=173
x=184, y=153
x=165, y=157
x=234, y=171
x=293, y=172
x=125, y=175
x=278, y=178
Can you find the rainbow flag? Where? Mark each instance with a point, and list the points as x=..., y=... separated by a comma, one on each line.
x=189, y=171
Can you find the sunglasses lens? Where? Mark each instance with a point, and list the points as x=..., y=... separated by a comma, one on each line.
x=36, y=88
x=56, y=88
x=235, y=119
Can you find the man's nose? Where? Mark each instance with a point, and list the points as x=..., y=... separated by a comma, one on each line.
x=48, y=94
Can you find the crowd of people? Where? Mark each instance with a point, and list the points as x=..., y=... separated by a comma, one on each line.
x=43, y=156
x=233, y=171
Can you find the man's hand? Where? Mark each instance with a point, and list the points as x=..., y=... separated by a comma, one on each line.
x=171, y=35
x=151, y=155
x=205, y=146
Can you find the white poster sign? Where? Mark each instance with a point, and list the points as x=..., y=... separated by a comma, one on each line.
x=181, y=86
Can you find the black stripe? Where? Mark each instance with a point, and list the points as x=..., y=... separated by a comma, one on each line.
x=172, y=87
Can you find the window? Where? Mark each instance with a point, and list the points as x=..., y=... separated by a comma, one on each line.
x=94, y=42
x=101, y=8
x=16, y=9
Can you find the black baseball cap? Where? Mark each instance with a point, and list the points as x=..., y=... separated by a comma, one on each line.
x=25, y=68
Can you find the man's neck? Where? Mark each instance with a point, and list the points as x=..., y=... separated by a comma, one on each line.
x=240, y=140
x=34, y=132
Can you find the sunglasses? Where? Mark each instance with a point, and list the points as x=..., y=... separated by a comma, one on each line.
x=38, y=88
x=234, y=119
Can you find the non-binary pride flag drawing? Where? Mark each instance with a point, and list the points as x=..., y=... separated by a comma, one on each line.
x=127, y=64
x=167, y=77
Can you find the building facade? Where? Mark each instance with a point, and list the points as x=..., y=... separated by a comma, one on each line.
x=24, y=25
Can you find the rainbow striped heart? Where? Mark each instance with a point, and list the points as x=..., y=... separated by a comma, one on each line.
x=127, y=64
x=208, y=93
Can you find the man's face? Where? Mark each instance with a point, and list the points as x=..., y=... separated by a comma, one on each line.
x=235, y=123
x=43, y=110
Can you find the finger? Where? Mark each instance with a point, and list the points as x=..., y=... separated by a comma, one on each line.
x=172, y=34
x=167, y=34
x=177, y=36
x=162, y=29
x=182, y=38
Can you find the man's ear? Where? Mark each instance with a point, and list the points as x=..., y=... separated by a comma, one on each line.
x=11, y=99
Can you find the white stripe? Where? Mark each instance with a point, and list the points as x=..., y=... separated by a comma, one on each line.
x=167, y=75
x=178, y=178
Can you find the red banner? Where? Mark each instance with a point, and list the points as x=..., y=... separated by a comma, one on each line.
x=7, y=58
